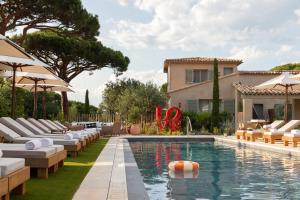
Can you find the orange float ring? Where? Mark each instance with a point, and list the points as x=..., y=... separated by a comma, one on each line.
x=183, y=165
x=183, y=174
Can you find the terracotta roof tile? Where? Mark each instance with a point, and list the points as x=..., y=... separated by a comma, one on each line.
x=250, y=90
x=199, y=60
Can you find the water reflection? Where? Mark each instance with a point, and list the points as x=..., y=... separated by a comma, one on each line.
x=225, y=172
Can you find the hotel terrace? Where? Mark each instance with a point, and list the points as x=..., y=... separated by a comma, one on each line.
x=190, y=87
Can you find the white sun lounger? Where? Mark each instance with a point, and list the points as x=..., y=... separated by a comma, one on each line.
x=13, y=176
x=276, y=134
x=252, y=135
x=72, y=146
x=43, y=160
x=39, y=133
x=47, y=130
x=50, y=126
x=293, y=136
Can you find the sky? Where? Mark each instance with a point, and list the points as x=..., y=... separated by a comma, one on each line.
x=263, y=33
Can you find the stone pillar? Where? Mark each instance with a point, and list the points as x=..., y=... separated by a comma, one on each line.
x=247, y=109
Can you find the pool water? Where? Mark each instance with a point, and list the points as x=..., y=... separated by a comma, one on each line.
x=226, y=172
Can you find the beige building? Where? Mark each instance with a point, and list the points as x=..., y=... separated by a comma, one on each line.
x=190, y=87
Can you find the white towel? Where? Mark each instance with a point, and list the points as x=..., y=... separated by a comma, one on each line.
x=267, y=126
x=84, y=134
x=68, y=136
x=77, y=135
x=46, y=142
x=1, y=154
x=33, y=144
x=295, y=131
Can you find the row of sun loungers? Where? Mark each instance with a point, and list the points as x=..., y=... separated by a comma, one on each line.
x=278, y=130
x=36, y=147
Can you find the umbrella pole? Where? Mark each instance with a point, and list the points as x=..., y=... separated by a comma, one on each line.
x=45, y=110
x=35, y=100
x=286, y=104
x=13, y=94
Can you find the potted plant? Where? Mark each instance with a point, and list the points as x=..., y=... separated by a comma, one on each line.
x=226, y=131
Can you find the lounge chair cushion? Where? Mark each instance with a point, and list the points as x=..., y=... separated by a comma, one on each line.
x=60, y=124
x=54, y=125
x=267, y=126
x=57, y=148
x=22, y=140
x=7, y=133
x=15, y=126
x=293, y=133
x=254, y=131
x=47, y=124
x=19, y=151
x=39, y=125
x=30, y=126
x=290, y=125
x=274, y=132
x=10, y=165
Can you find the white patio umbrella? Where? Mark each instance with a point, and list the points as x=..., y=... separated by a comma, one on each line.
x=284, y=81
x=15, y=58
x=45, y=88
x=34, y=79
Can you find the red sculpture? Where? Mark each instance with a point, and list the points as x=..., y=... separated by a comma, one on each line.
x=173, y=123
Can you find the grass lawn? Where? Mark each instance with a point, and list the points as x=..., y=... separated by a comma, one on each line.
x=63, y=184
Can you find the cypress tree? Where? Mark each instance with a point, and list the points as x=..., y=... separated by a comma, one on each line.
x=87, y=103
x=216, y=100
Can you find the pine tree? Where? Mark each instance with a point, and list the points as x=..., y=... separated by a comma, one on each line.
x=87, y=103
x=216, y=100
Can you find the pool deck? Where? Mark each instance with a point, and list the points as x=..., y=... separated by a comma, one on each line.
x=115, y=174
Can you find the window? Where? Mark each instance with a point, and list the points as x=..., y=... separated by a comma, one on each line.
x=229, y=106
x=189, y=76
x=279, y=111
x=197, y=75
x=258, y=111
x=228, y=70
x=192, y=106
x=205, y=105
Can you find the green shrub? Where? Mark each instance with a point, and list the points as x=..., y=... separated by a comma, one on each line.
x=202, y=122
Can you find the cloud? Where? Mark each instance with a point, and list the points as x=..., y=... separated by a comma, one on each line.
x=198, y=24
x=155, y=76
x=297, y=13
x=247, y=53
x=123, y=2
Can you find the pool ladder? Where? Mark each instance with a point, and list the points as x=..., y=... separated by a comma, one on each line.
x=189, y=127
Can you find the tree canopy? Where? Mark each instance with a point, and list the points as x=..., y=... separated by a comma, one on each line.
x=64, y=37
x=131, y=99
x=289, y=66
x=87, y=103
x=216, y=99
x=64, y=15
x=69, y=56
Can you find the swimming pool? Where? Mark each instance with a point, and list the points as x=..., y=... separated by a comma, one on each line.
x=226, y=172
